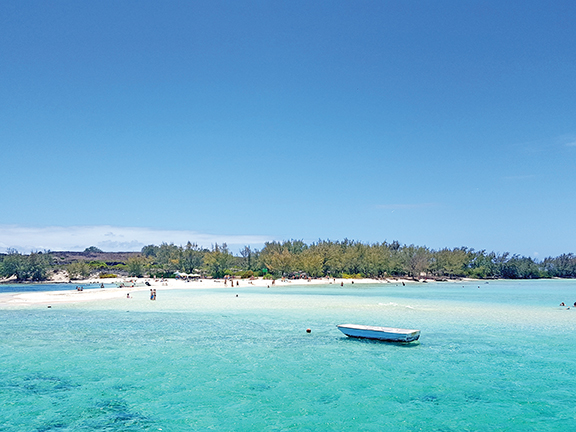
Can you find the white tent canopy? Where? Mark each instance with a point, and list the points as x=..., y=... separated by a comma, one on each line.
x=181, y=274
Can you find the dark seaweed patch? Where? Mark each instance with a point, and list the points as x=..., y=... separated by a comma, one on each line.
x=124, y=387
x=472, y=398
x=112, y=405
x=51, y=427
x=430, y=398
x=42, y=384
x=328, y=399
x=117, y=415
x=260, y=387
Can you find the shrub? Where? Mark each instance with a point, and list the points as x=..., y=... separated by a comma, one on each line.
x=162, y=275
x=352, y=276
x=107, y=276
x=246, y=274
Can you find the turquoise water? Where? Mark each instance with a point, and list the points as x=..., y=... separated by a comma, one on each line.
x=498, y=356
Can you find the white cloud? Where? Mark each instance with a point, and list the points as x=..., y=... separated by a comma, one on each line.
x=547, y=144
x=569, y=140
x=110, y=238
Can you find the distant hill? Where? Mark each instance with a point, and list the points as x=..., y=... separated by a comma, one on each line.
x=110, y=258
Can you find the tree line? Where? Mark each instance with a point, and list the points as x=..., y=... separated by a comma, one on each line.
x=294, y=258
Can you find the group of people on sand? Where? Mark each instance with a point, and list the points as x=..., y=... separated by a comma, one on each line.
x=563, y=304
x=152, y=294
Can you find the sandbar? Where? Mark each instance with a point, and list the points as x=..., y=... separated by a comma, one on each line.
x=140, y=284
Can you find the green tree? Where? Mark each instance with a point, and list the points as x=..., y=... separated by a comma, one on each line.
x=168, y=257
x=92, y=249
x=218, y=261
x=416, y=260
x=333, y=257
x=353, y=257
x=78, y=270
x=136, y=266
x=311, y=261
x=246, y=254
x=450, y=262
x=563, y=266
x=150, y=250
x=276, y=257
x=482, y=265
x=378, y=260
x=38, y=266
x=33, y=267
x=279, y=262
x=519, y=267
x=191, y=258
x=12, y=264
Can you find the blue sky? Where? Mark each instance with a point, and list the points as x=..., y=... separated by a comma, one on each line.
x=438, y=123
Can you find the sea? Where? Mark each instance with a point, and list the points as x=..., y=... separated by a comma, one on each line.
x=492, y=356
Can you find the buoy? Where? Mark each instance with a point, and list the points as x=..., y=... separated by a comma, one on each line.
x=308, y=330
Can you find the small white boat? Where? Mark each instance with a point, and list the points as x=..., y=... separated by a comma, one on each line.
x=380, y=333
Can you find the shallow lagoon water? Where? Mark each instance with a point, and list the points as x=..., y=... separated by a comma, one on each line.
x=497, y=356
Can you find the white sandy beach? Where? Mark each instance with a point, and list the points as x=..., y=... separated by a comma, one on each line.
x=95, y=294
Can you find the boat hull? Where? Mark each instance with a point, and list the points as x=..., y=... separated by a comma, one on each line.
x=379, y=333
